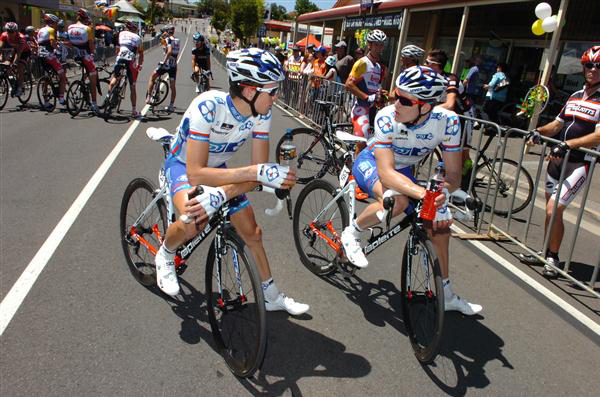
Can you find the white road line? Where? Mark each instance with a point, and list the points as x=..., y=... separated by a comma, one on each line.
x=551, y=296
x=13, y=300
x=572, y=311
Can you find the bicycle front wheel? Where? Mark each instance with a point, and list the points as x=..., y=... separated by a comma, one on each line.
x=159, y=93
x=236, y=306
x=45, y=93
x=27, y=87
x=311, y=160
x=141, y=239
x=75, y=98
x=422, y=297
x=4, y=92
x=318, y=239
x=486, y=176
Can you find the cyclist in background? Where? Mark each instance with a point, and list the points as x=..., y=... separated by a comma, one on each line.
x=405, y=132
x=200, y=58
x=168, y=65
x=47, y=42
x=410, y=56
x=577, y=125
x=31, y=39
x=81, y=36
x=213, y=128
x=130, y=46
x=12, y=38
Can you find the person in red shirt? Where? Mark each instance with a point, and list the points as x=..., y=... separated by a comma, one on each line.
x=13, y=39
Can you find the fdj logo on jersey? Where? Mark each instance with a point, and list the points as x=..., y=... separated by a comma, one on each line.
x=208, y=110
x=385, y=124
x=246, y=126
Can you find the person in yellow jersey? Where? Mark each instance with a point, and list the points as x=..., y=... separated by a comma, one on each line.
x=47, y=43
x=81, y=36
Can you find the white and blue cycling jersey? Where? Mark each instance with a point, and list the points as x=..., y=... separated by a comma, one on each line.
x=411, y=144
x=212, y=118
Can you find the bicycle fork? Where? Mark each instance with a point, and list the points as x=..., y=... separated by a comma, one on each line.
x=220, y=252
x=413, y=251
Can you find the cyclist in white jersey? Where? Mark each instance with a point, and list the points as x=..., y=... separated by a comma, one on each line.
x=213, y=128
x=130, y=46
x=404, y=133
x=168, y=65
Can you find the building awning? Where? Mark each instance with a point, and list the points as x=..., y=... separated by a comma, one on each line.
x=389, y=5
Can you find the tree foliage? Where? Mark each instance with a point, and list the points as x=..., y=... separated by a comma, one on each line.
x=205, y=7
x=221, y=15
x=246, y=16
x=304, y=6
x=278, y=13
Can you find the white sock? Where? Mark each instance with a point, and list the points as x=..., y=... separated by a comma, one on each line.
x=166, y=250
x=357, y=230
x=270, y=290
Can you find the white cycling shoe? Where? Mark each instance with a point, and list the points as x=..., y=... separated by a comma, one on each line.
x=456, y=303
x=166, y=277
x=288, y=304
x=352, y=248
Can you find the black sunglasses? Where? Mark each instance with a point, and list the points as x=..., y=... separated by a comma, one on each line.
x=404, y=101
x=589, y=65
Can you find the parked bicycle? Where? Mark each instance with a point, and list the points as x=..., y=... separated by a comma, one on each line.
x=235, y=301
x=322, y=212
x=9, y=83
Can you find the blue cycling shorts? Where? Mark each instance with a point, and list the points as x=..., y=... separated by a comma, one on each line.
x=178, y=181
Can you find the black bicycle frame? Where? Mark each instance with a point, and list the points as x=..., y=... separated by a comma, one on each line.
x=217, y=221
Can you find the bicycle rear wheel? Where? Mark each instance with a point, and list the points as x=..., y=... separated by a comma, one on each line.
x=310, y=164
x=318, y=242
x=505, y=183
x=45, y=93
x=159, y=93
x=4, y=91
x=149, y=231
x=75, y=98
x=422, y=297
x=236, y=305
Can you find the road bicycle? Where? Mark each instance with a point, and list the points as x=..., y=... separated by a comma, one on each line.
x=78, y=94
x=317, y=151
x=235, y=301
x=9, y=82
x=47, y=88
x=321, y=213
x=159, y=91
x=201, y=80
x=115, y=96
x=491, y=177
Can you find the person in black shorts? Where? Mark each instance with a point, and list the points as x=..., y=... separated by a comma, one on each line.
x=200, y=58
x=577, y=125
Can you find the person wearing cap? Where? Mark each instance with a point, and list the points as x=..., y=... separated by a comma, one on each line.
x=319, y=68
x=343, y=62
x=309, y=57
x=279, y=55
x=293, y=64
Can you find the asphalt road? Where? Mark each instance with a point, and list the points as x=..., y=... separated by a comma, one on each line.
x=87, y=327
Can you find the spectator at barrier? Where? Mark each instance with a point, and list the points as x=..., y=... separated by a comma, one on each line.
x=331, y=71
x=309, y=57
x=497, y=89
x=577, y=125
x=279, y=55
x=472, y=81
x=343, y=62
x=293, y=64
x=319, y=68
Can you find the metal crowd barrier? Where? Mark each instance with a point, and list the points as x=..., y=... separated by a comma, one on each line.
x=506, y=226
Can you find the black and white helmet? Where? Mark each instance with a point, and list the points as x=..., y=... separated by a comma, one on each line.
x=412, y=51
x=422, y=82
x=376, y=36
x=254, y=66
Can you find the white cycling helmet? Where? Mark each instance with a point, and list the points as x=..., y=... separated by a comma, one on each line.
x=412, y=51
x=254, y=66
x=376, y=36
x=330, y=60
x=422, y=82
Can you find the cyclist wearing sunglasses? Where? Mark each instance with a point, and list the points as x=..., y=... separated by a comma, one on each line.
x=213, y=128
x=200, y=58
x=405, y=132
x=577, y=125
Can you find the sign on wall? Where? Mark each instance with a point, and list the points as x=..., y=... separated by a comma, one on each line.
x=385, y=21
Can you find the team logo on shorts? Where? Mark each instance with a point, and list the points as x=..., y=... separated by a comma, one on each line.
x=272, y=173
x=208, y=110
x=385, y=124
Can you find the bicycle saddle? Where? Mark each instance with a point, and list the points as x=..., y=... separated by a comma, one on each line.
x=159, y=135
x=346, y=137
x=325, y=103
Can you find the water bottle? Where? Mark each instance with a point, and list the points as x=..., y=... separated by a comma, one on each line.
x=287, y=152
x=434, y=189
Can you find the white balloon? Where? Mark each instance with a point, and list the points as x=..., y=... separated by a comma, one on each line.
x=543, y=10
x=550, y=24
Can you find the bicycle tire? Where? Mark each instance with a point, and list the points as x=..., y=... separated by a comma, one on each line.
x=75, y=98
x=314, y=251
x=109, y=104
x=158, y=94
x=27, y=86
x=139, y=259
x=417, y=303
x=310, y=165
x=45, y=93
x=226, y=307
x=4, y=91
x=509, y=168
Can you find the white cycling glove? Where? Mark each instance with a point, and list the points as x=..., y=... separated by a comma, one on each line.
x=211, y=200
x=443, y=213
x=272, y=174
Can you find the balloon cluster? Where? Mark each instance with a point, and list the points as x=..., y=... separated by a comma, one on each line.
x=361, y=37
x=546, y=22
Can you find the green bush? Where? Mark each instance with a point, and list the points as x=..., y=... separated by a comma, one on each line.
x=214, y=40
